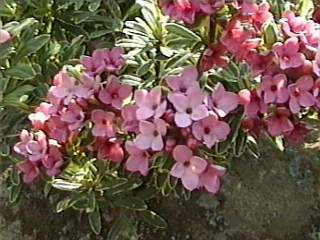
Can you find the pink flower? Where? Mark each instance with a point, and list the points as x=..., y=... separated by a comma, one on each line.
x=64, y=89
x=42, y=114
x=210, y=178
x=274, y=88
x=130, y=121
x=151, y=135
x=298, y=135
x=179, y=10
x=30, y=171
x=279, y=123
x=107, y=150
x=87, y=87
x=316, y=64
x=53, y=161
x=138, y=161
x=73, y=115
x=115, y=93
x=32, y=146
x=214, y=57
x=149, y=103
x=288, y=53
x=103, y=123
x=209, y=6
x=210, y=130
x=222, y=101
x=185, y=82
x=253, y=103
x=293, y=26
x=189, y=108
x=57, y=129
x=93, y=65
x=259, y=63
x=4, y=36
x=300, y=95
x=188, y=168
x=260, y=13
x=112, y=60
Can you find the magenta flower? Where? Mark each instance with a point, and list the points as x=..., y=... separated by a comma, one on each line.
x=188, y=168
x=293, y=26
x=4, y=36
x=151, y=135
x=275, y=88
x=30, y=171
x=32, y=146
x=149, y=103
x=214, y=57
x=288, y=53
x=184, y=83
x=210, y=178
x=138, y=161
x=103, y=123
x=53, y=161
x=179, y=10
x=57, y=129
x=189, y=108
x=209, y=6
x=73, y=116
x=253, y=103
x=115, y=93
x=130, y=121
x=109, y=151
x=210, y=130
x=93, y=65
x=279, y=123
x=300, y=95
x=222, y=101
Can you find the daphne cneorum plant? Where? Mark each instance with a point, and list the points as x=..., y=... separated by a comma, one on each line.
x=190, y=86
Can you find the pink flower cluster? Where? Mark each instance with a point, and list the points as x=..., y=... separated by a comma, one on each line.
x=189, y=10
x=174, y=123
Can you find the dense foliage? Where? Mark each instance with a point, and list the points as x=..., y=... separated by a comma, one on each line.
x=172, y=90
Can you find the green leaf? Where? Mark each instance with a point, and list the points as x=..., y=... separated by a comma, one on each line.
x=95, y=220
x=15, y=177
x=5, y=50
x=63, y=205
x=15, y=28
x=14, y=193
x=33, y=45
x=306, y=8
x=153, y=219
x=270, y=34
x=64, y=185
x=132, y=203
x=47, y=189
x=121, y=229
x=94, y=5
x=14, y=96
x=21, y=71
x=183, y=32
x=114, y=8
x=91, y=202
x=126, y=187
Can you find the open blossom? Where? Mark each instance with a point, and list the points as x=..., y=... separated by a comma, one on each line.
x=253, y=103
x=300, y=95
x=73, y=115
x=316, y=63
x=189, y=108
x=138, y=161
x=288, y=53
x=57, y=129
x=259, y=13
x=210, y=178
x=32, y=146
x=279, y=123
x=149, y=103
x=151, y=135
x=42, y=114
x=53, y=161
x=93, y=65
x=275, y=88
x=109, y=151
x=112, y=60
x=222, y=101
x=4, y=36
x=209, y=6
x=187, y=81
x=298, y=134
x=179, y=10
x=88, y=86
x=30, y=171
x=210, y=130
x=259, y=63
x=130, y=121
x=293, y=26
x=115, y=93
x=188, y=168
x=214, y=57
x=103, y=123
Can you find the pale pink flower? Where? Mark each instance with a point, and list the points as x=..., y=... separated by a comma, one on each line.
x=210, y=130
x=73, y=115
x=222, y=101
x=210, y=178
x=208, y=6
x=103, y=123
x=185, y=82
x=253, y=103
x=53, y=161
x=300, y=95
x=189, y=108
x=112, y=60
x=138, y=161
x=30, y=171
x=259, y=13
x=115, y=93
x=279, y=122
x=93, y=65
x=275, y=88
x=149, y=103
x=57, y=129
x=87, y=86
x=293, y=26
x=288, y=53
x=151, y=135
x=42, y=114
x=316, y=63
x=188, y=168
x=4, y=36
x=130, y=121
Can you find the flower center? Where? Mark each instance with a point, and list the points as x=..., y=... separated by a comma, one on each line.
x=154, y=107
x=155, y=133
x=189, y=110
x=183, y=89
x=186, y=164
x=114, y=95
x=273, y=88
x=104, y=122
x=206, y=130
x=296, y=93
